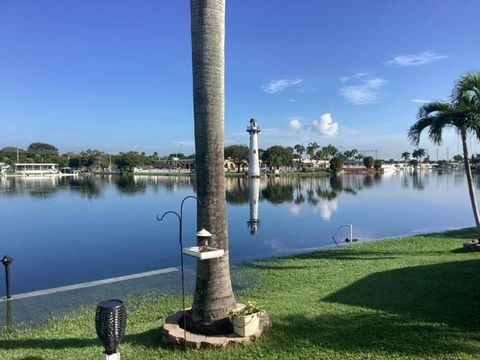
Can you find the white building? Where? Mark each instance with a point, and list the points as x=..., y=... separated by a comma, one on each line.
x=4, y=168
x=36, y=169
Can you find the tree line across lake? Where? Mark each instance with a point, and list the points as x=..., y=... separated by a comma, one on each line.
x=88, y=159
x=274, y=157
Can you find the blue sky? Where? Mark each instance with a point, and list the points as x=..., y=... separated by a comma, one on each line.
x=116, y=75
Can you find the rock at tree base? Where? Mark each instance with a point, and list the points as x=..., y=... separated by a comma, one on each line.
x=174, y=334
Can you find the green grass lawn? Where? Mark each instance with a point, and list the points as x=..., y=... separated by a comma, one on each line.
x=409, y=298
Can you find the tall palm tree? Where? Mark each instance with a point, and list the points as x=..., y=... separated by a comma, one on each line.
x=330, y=151
x=418, y=154
x=213, y=295
x=405, y=156
x=312, y=149
x=359, y=156
x=299, y=149
x=463, y=114
x=349, y=155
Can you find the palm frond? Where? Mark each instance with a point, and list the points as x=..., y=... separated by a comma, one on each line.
x=427, y=114
x=416, y=129
x=432, y=107
x=469, y=83
x=439, y=122
x=462, y=113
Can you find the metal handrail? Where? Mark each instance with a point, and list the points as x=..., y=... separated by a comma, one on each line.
x=341, y=227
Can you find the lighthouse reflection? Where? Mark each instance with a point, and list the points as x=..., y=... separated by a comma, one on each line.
x=253, y=198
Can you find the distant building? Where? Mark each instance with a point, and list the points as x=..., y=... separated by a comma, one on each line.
x=315, y=164
x=3, y=168
x=36, y=169
x=174, y=164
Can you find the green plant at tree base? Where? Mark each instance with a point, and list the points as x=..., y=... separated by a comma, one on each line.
x=249, y=309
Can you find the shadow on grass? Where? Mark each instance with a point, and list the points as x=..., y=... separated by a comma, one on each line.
x=341, y=254
x=423, y=310
x=461, y=250
x=367, y=333
x=441, y=293
x=149, y=339
x=47, y=343
x=462, y=234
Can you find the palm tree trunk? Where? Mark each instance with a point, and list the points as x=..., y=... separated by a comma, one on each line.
x=468, y=171
x=213, y=295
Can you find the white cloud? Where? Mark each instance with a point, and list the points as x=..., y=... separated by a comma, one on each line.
x=367, y=92
x=325, y=126
x=420, y=101
x=295, y=210
x=361, y=74
x=422, y=58
x=326, y=209
x=357, y=75
x=295, y=124
x=276, y=86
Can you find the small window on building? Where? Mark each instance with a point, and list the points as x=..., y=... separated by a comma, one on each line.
x=254, y=151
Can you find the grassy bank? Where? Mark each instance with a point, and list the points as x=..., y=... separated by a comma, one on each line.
x=409, y=298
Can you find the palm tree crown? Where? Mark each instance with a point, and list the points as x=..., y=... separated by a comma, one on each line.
x=419, y=153
x=299, y=149
x=405, y=156
x=312, y=149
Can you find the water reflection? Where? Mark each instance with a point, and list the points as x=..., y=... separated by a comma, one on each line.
x=418, y=180
x=87, y=187
x=318, y=193
x=236, y=191
x=278, y=191
x=294, y=213
x=131, y=185
x=9, y=315
x=254, y=198
x=36, y=187
x=275, y=190
x=90, y=187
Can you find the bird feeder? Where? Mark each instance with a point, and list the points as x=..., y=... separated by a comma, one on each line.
x=204, y=250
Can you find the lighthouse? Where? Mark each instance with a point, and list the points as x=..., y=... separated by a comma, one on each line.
x=253, y=162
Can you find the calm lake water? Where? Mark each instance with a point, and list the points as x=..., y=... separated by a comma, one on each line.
x=62, y=231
